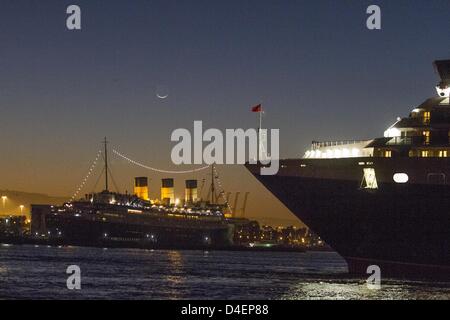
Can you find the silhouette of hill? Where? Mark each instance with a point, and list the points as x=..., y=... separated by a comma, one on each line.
x=17, y=198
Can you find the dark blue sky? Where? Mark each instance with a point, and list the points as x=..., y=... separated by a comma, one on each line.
x=319, y=72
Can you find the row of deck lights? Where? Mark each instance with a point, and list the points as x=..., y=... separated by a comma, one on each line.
x=336, y=153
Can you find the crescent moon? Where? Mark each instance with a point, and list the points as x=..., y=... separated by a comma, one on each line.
x=162, y=97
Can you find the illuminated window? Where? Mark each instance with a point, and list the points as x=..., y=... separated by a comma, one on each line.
x=426, y=117
x=424, y=153
x=426, y=137
x=442, y=153
x=400, y=178
x=387, y=153
x=369, y=180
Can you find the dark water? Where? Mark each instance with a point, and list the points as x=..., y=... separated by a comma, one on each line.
x=40, y=273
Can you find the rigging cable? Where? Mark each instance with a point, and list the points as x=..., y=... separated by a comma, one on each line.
x=110, y=175
x=81, y=185
x=113, y=181
x=221, y=190
x=98, y=180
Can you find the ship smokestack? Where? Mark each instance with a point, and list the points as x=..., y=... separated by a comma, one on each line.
x=167, y=191
x=190, y=191
x=141, y=188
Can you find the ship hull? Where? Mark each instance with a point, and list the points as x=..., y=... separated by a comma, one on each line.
x=152, y=235
x=104, y=229
x=402, y=228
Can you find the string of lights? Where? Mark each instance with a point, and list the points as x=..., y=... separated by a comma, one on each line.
x=81, y=185
x=221, y=190
x=156, y=169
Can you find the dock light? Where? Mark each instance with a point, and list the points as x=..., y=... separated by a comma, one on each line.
x=4, y=198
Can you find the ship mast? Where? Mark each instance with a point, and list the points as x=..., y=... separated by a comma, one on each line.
x=105, y=142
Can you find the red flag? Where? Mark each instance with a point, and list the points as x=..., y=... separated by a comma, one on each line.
x=257, y=108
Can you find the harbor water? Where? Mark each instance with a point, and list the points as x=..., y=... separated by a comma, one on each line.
x=39, y=272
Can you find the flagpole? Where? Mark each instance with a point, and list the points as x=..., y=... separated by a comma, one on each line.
x=258, y=108
x=259, y=135
x=260, y=120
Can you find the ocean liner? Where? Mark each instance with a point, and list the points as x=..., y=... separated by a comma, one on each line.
x=384, y=201
x=110, y=219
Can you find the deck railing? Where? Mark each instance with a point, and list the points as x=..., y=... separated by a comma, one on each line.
x=398, y=141
x=323, y=144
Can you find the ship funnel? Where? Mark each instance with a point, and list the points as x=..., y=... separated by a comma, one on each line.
x=141, y=188
x=190, y=191
x=167, y=191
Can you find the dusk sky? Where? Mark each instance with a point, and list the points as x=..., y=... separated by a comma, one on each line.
x=319, y=73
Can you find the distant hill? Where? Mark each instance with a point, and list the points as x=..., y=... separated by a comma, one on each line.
x=17, y=198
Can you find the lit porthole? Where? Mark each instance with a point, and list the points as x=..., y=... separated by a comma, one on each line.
x=401, y=178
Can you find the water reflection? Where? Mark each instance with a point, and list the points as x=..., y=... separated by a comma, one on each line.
x=176, y=276
x=357, y=289
x=3, y=270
